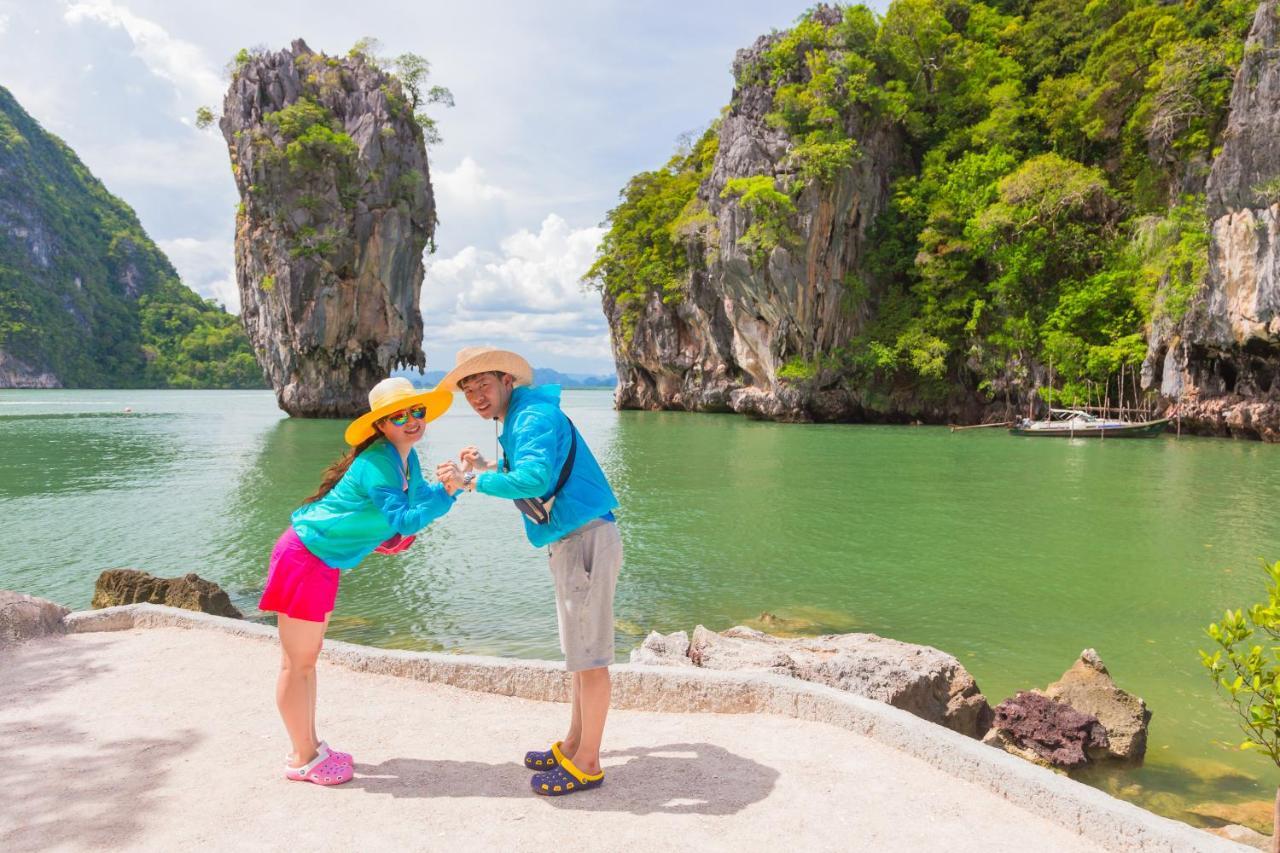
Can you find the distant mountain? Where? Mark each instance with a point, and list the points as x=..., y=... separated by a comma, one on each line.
x=547, y=376
x=86, y=298
x=541, y=376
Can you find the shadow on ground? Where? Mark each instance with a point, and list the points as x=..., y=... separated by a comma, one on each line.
x=62, y=788
x=681, y=778
x=44, y=666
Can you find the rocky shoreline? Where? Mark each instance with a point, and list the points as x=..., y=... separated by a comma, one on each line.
x=1083, y=718
x=1094, y=819
x=1080, y=718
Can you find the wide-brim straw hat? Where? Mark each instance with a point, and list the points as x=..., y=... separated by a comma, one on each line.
x=473, y=360
x=392, y=395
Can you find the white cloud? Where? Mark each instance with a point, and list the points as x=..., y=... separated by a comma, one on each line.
x=531, y=272
x=206, y=266
x=4, y=24
x=180, y=62
x=465, y=186
x=529, y=291
x=537, y=272
x=185, y=163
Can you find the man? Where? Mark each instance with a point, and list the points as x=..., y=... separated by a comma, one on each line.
x=549, y=471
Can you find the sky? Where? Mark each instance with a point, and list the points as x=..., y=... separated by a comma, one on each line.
x=558, y=104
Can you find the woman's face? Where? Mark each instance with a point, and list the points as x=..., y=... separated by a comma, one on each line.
x=410, y=431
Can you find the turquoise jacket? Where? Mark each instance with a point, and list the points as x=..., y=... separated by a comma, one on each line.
x=535, y=441
x=369, y=505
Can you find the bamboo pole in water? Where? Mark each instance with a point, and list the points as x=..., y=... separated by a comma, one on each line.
x=1106, y=408
x=1133, y=382
x=1031, y=395
x=1122, y=392
x=1051, y=395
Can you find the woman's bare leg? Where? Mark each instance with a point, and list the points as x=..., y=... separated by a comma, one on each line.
x=300, y=643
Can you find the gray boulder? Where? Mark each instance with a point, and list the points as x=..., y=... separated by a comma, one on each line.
x=663, y=650
x=926, y=682
x=189, y=592
x=23, y=617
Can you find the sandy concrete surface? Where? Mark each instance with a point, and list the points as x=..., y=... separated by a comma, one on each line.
x=168, y=739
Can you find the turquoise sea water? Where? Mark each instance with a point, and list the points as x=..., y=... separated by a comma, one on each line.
x=1011, y=554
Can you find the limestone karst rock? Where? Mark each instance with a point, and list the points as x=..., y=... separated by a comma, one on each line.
x=740, y=277
x=1220, y=366
x=87, y=299
x=336, y=210
x=720, y=348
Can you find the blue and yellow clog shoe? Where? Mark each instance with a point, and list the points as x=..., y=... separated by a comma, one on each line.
x=536, y=760
x=564, y=778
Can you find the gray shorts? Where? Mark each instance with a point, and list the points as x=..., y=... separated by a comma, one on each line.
x=585, y=566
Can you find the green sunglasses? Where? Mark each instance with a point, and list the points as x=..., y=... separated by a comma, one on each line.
x=401, y=418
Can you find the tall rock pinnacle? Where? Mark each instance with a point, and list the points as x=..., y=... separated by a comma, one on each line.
x=336, y=209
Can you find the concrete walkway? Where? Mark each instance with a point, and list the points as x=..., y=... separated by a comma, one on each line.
x=167, y=738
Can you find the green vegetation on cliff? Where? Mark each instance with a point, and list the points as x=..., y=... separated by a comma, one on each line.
x=1054, y=207
x=303, y=148
x=84, y=293
x=647, y=248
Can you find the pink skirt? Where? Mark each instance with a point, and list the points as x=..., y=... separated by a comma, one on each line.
x=299, y=584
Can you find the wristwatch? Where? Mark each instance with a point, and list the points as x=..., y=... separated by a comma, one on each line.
x=468, y=478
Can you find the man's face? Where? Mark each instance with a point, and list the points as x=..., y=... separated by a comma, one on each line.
x=488, y=393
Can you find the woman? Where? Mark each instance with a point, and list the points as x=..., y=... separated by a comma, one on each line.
x=373, y=498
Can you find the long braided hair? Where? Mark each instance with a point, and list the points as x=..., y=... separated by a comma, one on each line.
x=334, y=472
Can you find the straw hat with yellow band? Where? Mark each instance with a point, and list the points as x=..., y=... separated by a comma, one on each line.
x=394, y=395
x=473, y=360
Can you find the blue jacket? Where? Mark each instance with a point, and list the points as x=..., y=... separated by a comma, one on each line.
x=368, y=505
x=535, y=440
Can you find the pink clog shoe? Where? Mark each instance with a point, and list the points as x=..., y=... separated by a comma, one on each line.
x=324, y=769
x=344, y=757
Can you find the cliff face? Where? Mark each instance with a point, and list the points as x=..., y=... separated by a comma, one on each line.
x=86, y=298
x=743, y=317
x=1219, y=369
x=336, y=210
x=936, y=213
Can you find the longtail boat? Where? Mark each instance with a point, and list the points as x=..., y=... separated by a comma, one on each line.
x=1074, y=423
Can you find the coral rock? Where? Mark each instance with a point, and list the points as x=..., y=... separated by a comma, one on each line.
x=1056, y=733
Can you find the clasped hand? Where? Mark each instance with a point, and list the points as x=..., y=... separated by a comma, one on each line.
x=450, y=473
